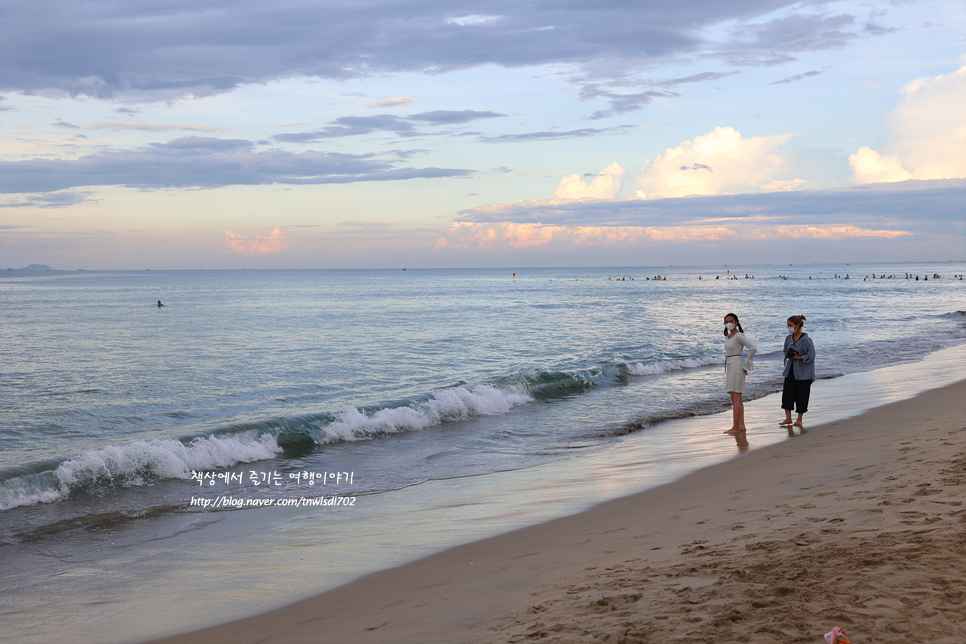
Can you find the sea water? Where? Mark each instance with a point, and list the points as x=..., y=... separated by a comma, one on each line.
x=112, y=407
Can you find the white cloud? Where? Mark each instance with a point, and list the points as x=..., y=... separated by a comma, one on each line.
x=273, y=243
x=869, y=166
x=605, y=185
x=719, y=162
x=928, y=134
x=509, y=235
x=505, y=234
x=395, y=101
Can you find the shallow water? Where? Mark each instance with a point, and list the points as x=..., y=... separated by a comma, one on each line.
x=414, y=382
x=148, y=578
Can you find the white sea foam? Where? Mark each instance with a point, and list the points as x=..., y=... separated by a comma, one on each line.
x=164, y=458
x=446, y=405
x=129, y=464
x=664, y=366
x=22, y=495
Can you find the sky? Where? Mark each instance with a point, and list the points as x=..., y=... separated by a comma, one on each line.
x=216, y=134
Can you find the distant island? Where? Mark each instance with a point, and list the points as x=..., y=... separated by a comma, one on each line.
x=33, y=267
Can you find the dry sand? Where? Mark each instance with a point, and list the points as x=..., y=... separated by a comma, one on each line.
x=858, y=523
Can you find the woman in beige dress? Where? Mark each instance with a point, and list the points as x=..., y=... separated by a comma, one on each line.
x=736, y=369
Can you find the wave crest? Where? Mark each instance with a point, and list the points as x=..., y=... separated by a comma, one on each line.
x=134, y=464
x=663, y=366
x=446, y=405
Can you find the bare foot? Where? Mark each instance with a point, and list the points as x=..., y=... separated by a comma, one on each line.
x=787, y=421
x=735, y=431
x=797, y=424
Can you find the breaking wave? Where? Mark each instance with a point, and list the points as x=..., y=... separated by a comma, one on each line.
x=145, y=462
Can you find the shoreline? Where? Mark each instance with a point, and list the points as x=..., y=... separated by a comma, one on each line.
x=856, y=523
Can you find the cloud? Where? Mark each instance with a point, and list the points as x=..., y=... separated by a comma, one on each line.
x=879, y=211
x=927, y=134
x=825, y=232
x=624, y=103
x=205, y=162
x=50, y=200
x=273, y=243
x=121, y=126
x=796, y=78
x=554, y=135
x=506, y=235
x=717, y=163
x=447, y=117
x=777, y=41
x=396, y=101
x=697, y=78
x=877, y=30
x=864, y=205
x=352, y=126
x=152, y=51
x=359, y=125
x=606, y=184
x=869, y=166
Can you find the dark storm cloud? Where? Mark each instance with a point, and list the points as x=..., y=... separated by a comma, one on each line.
x=914, y=203
x=203, y=162
x=165, y=49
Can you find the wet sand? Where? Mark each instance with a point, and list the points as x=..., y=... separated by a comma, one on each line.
x=858, y=523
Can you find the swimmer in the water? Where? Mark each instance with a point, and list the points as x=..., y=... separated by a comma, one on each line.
x=159, y=304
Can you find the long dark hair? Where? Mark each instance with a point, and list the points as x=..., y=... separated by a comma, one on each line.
x=737, y=323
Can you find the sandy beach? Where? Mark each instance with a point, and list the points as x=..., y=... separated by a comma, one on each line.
x=857, y=523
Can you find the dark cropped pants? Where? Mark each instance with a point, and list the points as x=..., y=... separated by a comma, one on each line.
x=795, y=394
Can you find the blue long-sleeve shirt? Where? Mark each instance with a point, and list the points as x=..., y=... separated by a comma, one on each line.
x=803, y=369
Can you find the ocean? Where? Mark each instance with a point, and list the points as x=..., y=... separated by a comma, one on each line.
x=123, y=422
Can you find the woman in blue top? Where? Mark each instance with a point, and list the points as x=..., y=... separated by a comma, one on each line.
x=799, y=370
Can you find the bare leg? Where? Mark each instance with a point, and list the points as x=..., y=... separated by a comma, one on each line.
x=738, y=411
x=741, y=412
x=798, y=423
x=788, y=418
